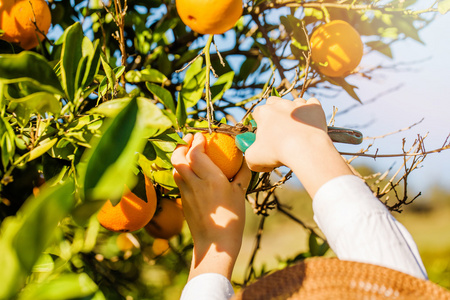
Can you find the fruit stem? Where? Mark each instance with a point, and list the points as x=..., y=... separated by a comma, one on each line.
x=209, y=106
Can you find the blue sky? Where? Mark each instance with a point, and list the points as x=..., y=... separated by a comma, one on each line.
x=424, y=93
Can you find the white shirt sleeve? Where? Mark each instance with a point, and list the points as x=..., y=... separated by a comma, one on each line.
x=208, y=286
x=359, y=227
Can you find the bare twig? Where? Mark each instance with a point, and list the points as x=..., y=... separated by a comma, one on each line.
x=119, y=19
x=191, y=62
x=394, y=132
x=265, y=95
x=222, y=62
x=36, y=26
x=250, y=267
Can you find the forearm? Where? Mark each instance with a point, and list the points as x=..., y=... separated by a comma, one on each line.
x=315, y=164
x=214, y=259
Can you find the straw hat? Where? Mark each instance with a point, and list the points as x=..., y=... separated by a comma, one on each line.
x=331, y=278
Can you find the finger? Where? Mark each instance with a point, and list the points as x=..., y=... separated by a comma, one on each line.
x=179, y=159
x=257, y=159
x=299, y=101
x=273, y=100
x=179, y=154
x=313, y=101
x=179, y=180
x=199, y=161
x=243, y=176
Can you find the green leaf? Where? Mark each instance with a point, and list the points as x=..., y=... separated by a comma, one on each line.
x=405, y=25
x=249, y=66
x=313, y=14
x=65, y=286
x=339, y=81
x=7, y=145
x=275, y=92
x=165, y=178
x=71, y=54
x=153, y=120
x=39, y=103
x=298, y=34
x=29, y=67
x=192, y=90
x=193, y=83
x=380, y=47
x=41, y=148
x=181, y=112
x=26, y=235
x=163, y=95
x=146, y=75
x=222, y=84
x=110, y=79
x=194, y=69
x=44, y=264
x=443, y=6
x=92, y=51
x=315, y=248
x=111, y=161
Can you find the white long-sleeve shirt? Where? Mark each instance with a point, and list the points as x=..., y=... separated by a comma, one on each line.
x=358, y=227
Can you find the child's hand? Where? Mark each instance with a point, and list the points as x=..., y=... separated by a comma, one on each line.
x=294, y=134
x=213, y=206
x=284, y=129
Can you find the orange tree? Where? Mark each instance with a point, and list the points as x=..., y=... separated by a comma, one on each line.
x=101, y=103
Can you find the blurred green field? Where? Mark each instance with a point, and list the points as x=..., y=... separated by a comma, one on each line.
x=428, y=221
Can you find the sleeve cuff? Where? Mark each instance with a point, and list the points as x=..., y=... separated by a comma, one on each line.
x=208, y=286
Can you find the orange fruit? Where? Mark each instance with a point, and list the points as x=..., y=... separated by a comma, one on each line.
x=209, y=16
x=336, y=48
x=131, y=213
x=222, y=150
x=16, y=19
x=160, y=247
x=126, y=242
x=168, y=220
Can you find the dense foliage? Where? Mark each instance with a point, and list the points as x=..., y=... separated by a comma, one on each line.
x=102, y=101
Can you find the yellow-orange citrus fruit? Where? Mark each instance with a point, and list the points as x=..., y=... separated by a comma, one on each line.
x=168, y=221
x=336, y=48
x=160, y=247
x=126, y=242
x=222, y=150
x=131, y=213
x=16, y=19
x=209, y=16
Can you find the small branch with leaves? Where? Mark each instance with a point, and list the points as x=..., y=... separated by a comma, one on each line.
x=119, y=19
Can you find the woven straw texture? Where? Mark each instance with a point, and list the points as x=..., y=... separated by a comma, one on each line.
x=330, y=278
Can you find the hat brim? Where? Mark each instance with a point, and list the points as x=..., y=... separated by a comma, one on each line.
x=331, y=278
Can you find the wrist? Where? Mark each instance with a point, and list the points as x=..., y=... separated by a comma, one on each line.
x=213, y=259
x=303, y=148
x=315, y=162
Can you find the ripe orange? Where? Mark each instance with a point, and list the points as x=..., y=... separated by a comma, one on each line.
x=168, y=221
x=209, y=16
x=126, y=242
x=160, y=247
x=16, y=19
x=131, y=213
x=336, y=48
x=222, y=150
